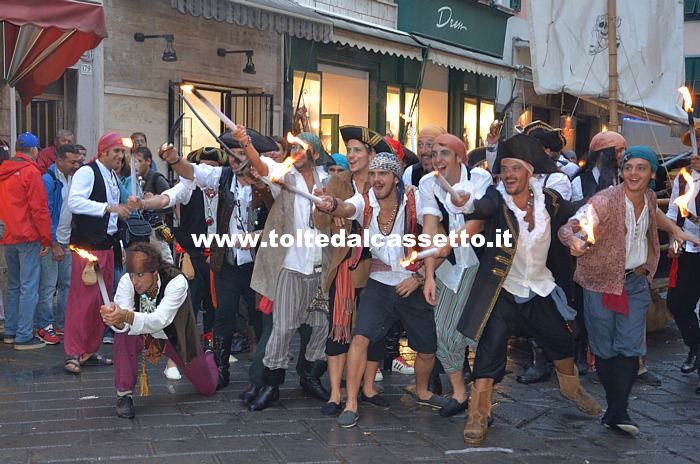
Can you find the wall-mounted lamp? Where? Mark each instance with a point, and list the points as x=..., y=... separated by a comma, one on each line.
x=249, y=66
x=168, y=53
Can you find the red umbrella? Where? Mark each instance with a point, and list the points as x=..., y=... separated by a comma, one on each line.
x=41, y=38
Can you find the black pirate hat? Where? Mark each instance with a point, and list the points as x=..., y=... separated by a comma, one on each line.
x=548, y=136
x=262, y=143
x=525, y=148
x=367, y=136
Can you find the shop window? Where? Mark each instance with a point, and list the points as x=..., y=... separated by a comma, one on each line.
x=308, y=100
x=393, y=111
x=478, y=116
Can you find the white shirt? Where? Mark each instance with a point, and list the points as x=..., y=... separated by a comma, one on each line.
x=180, y=194
x=65, y=217
x=672, y=213
x=206, y=176
x=79, y=198
x=557, y=181
x=529, y=270
x=430, y=191
x=164, y=314
x=389, y=251
x=636, y=243
x=299, y=258
x=566, y=166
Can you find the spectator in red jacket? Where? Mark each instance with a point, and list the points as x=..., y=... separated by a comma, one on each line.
x=47, y=156
x=24, y=210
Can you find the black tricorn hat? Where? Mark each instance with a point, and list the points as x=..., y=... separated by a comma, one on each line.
x=476, y=158
x=367, y=136
x=548, y=136
x=525, y=148
x=262, y=143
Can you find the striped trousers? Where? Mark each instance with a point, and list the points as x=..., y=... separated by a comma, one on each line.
x=295, y=292
x=451, y=344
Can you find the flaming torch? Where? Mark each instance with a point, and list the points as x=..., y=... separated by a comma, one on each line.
x=418, y=255
x=92, y=272
x=284, y=169
x=688, y=107
x=683, y=200
x=587, y=226
x=446, y=186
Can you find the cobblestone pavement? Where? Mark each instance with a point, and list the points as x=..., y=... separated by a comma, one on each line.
x=48, y=415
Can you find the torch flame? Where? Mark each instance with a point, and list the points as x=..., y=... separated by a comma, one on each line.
x=293, y=139
x=587, y=225
x=581, y=163
x=687, y=99
x=682, y=201
x=283, y=169
x=410, y=260
x=187, y=88
x=436, y=173
x=127, y=142
x=84, y=253
x=405, y=117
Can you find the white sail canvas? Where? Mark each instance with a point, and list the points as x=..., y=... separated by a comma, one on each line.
x=569, y=51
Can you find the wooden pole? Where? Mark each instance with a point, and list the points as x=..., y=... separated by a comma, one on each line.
x=612, y=54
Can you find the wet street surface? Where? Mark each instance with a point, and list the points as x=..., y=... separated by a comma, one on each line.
x=50, y=416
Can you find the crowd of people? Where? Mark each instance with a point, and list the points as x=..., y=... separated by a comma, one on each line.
x=573, y=277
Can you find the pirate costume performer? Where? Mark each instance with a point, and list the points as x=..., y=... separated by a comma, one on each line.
x=519, y=283
x=238, y=209
x=451, y=282
x=94, y=202
x=152, y=315
x=392, y=292
x=684, y=285
x=553, y=141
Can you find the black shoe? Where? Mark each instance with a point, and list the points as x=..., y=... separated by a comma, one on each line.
x=311, y=380
x=539, y=369
x=240, y=345
x=593, y=377
x=689, y=364
x=649, y=379
x=453, y=407
x=315, y=388
x=331, y=409
x=265, y=398
x=223, y=379
x=249, y=394
x=620, y=421
x=435, y=384
x=125, y=407
x=377, y=400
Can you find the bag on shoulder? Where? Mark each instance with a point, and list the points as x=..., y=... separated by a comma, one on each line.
x=134, y=230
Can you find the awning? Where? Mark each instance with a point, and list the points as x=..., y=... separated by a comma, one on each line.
x=41, y=38
x=281, y=16
x=459, y=58
x=375, y=38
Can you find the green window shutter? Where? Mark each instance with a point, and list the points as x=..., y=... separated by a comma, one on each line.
x=689, y=6
x=516, y=4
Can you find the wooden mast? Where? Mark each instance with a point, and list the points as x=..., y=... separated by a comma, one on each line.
x=612, y=56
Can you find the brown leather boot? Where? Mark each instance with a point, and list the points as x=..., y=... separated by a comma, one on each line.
x=479, y=411
x=571, y=389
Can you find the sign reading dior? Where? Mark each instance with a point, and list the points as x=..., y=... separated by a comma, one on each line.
x=445, y=19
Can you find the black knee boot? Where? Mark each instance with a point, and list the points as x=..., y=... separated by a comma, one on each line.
x=618, y=375
x=539, y=369
x=222, y=351
x=313, y=372
x=272, y=378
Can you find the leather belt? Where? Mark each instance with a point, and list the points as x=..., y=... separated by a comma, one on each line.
x=638, y=271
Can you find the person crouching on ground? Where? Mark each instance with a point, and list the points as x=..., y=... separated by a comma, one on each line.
x=152, y=311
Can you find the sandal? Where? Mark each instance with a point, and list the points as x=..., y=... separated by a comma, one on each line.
x=73, y=365
x=97, y=360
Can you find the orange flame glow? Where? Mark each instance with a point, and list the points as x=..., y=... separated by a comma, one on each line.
x=283, y=169
x=411, y=259
x=127, y=142
x=84, y=253
x=581, y=163
x=682, y=201
x=587, y=226
x=293, y=139
x=187, y=88
x=687, y=99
